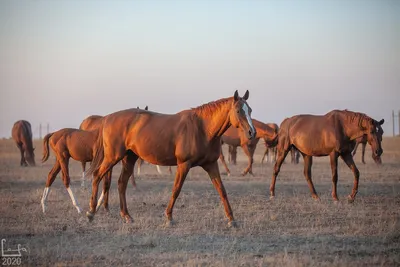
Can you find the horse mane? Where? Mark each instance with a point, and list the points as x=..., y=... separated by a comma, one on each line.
x=358, y=117
x=209, y=108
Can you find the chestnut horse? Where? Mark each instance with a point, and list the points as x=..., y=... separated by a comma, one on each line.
x=363, y=141
x=187, y=139
x=270, y=147
x=235, y=137
x=332, y=134
x=94, y=122
x=22, y=135
x=71, y=143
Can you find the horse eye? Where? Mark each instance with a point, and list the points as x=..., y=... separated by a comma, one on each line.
x=238, y=111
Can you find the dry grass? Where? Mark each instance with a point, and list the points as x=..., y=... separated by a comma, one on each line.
x=293, y=230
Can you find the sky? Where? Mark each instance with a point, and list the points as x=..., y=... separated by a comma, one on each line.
x=61, y=61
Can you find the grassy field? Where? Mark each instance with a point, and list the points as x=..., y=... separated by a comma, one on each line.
x=292, y=230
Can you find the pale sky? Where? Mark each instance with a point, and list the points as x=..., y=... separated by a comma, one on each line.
x=61, y=61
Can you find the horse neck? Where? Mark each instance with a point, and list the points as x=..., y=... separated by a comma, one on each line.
x=263, y=130
x=215, y=116
x=351, y=128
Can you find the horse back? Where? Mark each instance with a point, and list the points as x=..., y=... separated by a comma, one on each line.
x=75, y=143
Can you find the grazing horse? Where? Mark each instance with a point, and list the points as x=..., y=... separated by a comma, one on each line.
x=235, y=137
x=22, y=135
x=186, y=139
x=331, y=134
x=71, y=143
x=363, y=141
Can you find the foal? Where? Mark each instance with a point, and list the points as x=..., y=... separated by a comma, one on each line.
x=70, y=143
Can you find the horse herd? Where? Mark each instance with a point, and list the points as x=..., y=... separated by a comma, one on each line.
x=193, y=138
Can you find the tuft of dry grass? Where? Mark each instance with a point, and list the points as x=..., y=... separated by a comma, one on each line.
x=291, y=230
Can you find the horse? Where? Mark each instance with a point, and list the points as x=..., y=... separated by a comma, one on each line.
x=94, y=122
x=363, y=141
x=270, y=147
x=333, y=135
x=71, y=143
x=186, y=139
x=22, y=134
x=235, y=137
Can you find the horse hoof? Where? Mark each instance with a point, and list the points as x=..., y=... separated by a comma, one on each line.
x=350, y=199
x=128, y=219
x=90, y=216
x=271, y=197
x=232, y=224
x=169, y=223
x=229, y=174
x=316, y=198
x=79, y=210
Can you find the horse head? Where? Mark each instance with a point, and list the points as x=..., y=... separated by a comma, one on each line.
x=240, y=115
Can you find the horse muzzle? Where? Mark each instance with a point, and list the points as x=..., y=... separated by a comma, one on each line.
x=251, y=133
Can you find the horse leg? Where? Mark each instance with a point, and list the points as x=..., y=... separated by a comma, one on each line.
x=50, y=179
x=106, y=166
x=180, y=176
x=159, y=169
x=249, y=151
x=222, y=158
x=213, y=171
x=139, y=164
x=334, y=162
x=282, y=153
x=104, y=194
x=128, y=164
x=234, y=154
x=265, y=154
x=348, y=159
x=66, y=179
x=83, y=173
x=307, y=175
x=275, y=152
x=229, y=154
x=355, y=149
x=363, y=145
x=22, y=151
x=169, y=170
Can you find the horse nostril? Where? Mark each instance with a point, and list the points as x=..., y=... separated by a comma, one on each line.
x=250, y=133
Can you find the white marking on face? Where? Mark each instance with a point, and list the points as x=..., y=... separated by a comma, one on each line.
x=74, y=202
x=44, y=198
x=246, y=113
x=100, y=201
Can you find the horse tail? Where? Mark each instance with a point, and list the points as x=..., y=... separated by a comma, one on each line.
x=46, y=152
x=99, y=154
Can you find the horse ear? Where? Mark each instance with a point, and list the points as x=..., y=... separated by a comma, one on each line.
x=381, y=121
x=236, y=96
x=246, y=95
x=146, y=108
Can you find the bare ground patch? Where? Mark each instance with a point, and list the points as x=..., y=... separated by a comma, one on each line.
x=292, y=230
